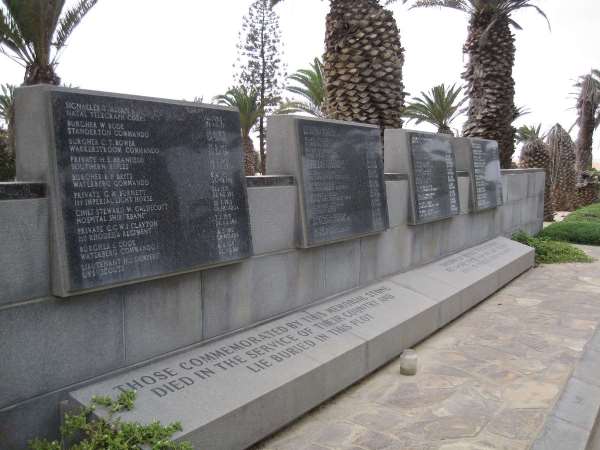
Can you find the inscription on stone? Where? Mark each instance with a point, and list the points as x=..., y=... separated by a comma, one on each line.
x=486, y=177
x=342, y=183
x=145, y=188
x=433, y=178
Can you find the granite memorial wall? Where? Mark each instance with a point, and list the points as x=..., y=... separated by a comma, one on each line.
x=95, y=335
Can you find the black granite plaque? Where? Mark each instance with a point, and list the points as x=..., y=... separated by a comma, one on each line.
x=144, y=189
x=486, y=177
x=341, y=178
x=433, y=178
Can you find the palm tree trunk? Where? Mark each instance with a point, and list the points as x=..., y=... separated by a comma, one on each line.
x=585, y=136
x=249, y=156
x=41, y=74
x=363, y=64
x=490, y=85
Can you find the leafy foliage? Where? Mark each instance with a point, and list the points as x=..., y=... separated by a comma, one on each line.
x=527, y=133
x=110, y=432
x=588, y=214
x=496, y=8
x=552, y=252
x=575, y=232
x=7, y=158
x=311, y=87
x=260, y=65
x=7, y=96
x=32, y=33
x=439, y=107
x=247, y=102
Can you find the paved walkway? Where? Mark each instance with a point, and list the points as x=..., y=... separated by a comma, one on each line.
x=485, y=381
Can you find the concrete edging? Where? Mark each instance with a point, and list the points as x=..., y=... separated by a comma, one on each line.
x=573, y=420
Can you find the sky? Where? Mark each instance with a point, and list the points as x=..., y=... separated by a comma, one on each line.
x=183, y=49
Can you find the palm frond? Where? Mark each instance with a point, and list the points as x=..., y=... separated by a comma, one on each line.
x=527, y=133
x=310, y=86
x=7, y=97
x=247, y=103
x=70, y=20
x=439, y=106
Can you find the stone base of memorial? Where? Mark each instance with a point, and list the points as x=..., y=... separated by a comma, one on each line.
x=237, y=390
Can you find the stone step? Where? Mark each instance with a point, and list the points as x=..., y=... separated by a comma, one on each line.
x=234, y=391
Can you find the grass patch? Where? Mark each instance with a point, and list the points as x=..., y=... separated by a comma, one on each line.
x=587, y=214
x=574, y=232
x=579, y=227
x=552, y=252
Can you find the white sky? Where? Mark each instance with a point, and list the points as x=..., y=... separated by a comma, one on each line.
x=181, y=49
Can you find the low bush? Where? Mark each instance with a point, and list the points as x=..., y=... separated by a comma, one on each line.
x=573, y=231
x=588, y=214
x=109, y=432
x=552, y=252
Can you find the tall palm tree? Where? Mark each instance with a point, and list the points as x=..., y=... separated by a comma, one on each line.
x=588, y=117
x=490, y=46
x=32, y=33
x=311, y=87
x=246, y=101
x=363, y=63
x=528, y=133
x=439, y=107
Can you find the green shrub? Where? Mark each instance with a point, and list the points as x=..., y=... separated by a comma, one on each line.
x=109, y=432
x=573, y=231
x=588, y=214
x=552, y=252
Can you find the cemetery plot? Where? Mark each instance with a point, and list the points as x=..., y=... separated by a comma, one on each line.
x=341, y=181
x=143, y=189
x=432, y=173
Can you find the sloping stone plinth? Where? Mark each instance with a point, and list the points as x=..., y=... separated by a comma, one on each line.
x=236, y=390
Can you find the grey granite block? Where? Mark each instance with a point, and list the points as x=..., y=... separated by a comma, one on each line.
x=259, y=380
x=560, y=435
x=162, y=315
x=395, y=153
x=273, y=218
x=588, y=367
x=504, y=187
x=368, y=259
x=540, y=180
x=458, y=231
x=464, y=194
x=342, y=267
x=517, y=186
x=239, y=296
x=518, y=209
x=397, y=199
x=579, y=404
x=24, y=270
x=37, y=418
x=531, y=184
x=448, y=297
x=66, y=341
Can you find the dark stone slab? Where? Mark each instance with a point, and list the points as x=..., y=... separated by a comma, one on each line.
x=270, y=180
x=486, y=182
x=434, y=187
x=141, y=189
x=22, y=191
x=341, y=180
x=396, y=177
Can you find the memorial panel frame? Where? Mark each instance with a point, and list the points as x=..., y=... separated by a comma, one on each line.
x=184, y=157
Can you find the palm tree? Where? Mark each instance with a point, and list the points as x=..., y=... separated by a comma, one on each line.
x=562, y=168
x=246, y=101
x=536, y=154
x=311, y=87
x=490, y=46
x=588, y=117
x=439, y=107
x=363, y=63
x=32, y=33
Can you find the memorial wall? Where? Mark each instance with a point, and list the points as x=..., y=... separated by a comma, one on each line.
x=228, y=256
